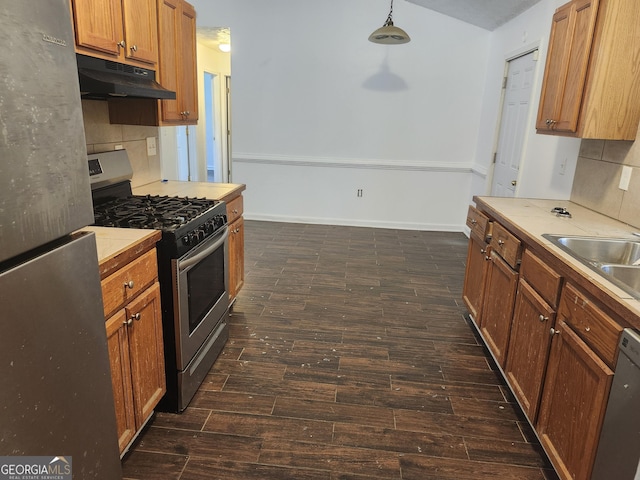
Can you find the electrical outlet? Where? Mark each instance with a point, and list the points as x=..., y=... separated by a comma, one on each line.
x=151, y=146
x=118, y=147
x=625, y=178
x=563, y=167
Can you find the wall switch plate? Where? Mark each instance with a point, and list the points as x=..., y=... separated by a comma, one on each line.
x=625, y=178
x=118, y=147
x=151, y=146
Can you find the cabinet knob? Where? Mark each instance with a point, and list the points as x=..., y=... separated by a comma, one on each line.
x=548, y=121
x=136, y=317
x=474, y=221
x=187, y=113
x=235, y=211
x=542, y=318
x=487, y=257
x=587, y=329
x=553, y=331
x=483, y=251
x=129, y=284
x=128, y=322
x=134, y=48
x=122, y=44
x=500, y=242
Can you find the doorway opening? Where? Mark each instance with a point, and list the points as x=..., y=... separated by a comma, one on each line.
x=211, y=146
x=514, y=119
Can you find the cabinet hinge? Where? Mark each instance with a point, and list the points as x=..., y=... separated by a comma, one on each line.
x=504, y=82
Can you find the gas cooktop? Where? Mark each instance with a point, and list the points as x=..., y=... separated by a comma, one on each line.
x=148, y=211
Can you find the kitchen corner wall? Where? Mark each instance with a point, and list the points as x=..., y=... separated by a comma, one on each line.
x=595, y=185
x=101, y=136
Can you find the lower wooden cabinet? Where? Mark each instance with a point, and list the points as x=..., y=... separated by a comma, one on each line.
x=475, y=276
x=235, y=209
x=573, y=404
x=135, y=344
x=529, y=346
x=497, y=309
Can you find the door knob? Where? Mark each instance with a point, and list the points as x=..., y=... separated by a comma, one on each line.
x=513, y=183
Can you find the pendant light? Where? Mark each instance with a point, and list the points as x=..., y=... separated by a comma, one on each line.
x=389, y=34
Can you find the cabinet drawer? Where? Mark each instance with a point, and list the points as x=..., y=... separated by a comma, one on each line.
x=541, y=277
x=116, y=291
x=506, y=245
x=234, y=209
x=592, y=325
x=478, y=222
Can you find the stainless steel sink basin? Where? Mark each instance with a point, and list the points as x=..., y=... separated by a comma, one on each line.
x=628, y=275
x=616, y=259
x=601, y=250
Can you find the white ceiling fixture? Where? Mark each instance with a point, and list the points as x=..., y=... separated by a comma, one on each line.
x=389, y=34
x=217, y=38
x=487, y=14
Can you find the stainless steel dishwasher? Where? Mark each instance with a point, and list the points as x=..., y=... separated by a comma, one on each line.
x=618, y=454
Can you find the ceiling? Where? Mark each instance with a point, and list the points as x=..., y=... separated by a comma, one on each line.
x=487, y=14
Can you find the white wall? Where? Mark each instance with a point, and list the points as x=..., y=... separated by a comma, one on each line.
x=539, y=176
x=319, y=112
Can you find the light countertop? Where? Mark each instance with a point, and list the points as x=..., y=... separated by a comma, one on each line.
x=213, y=191
x=118, y=246
x=529, y=219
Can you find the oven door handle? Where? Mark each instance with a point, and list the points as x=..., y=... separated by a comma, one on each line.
x=184, y=264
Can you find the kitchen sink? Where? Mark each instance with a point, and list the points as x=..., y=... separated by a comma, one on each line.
x=616, y=259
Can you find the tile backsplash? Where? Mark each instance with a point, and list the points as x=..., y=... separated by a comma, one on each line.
x=597, y=178
x=102, y=136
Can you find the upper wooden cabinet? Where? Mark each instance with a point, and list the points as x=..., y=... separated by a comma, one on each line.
x=589, y=89
x=121, y=30
x=177, y=26
x=177, y=71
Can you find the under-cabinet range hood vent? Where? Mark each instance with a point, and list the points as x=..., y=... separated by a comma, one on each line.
x=102, y=79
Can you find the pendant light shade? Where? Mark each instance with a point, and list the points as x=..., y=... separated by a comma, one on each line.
x=389, y=34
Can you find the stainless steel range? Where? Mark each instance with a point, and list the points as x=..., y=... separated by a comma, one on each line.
x=192, y=269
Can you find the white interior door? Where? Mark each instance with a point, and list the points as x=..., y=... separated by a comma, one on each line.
x=513, y=123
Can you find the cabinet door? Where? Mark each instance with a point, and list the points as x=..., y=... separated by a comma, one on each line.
x=236, y=257
x=141, y=30
x=169, y=29
x=475, y=277
x=529, y=347
x=573, y=403
x=118, y=346
x=497, y=310
x=188, y=69
x=566, y=67
x=146, y=352
x=98, y=25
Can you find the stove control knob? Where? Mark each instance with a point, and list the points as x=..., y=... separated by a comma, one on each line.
x=210, y=227
x=186, y=240
x=201, y=233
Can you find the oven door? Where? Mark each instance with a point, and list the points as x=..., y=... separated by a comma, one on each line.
x=201, y=297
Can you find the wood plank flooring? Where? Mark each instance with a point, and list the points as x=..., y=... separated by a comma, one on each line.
x=349, y=358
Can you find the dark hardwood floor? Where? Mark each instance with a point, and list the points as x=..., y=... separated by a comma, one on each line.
x=349, y=358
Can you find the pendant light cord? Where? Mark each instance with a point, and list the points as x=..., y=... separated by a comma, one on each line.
x=389, y=21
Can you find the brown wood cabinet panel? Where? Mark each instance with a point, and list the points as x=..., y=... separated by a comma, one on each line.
x=141, y=30
x=497, y=309
x=529, y=348
x=588, y=89
x=541, y=277
x=591, y=324
x=573, y=403
x=121, y=30
x=144, y=318
x=506, y=245
x=128, y=282
x=236, y=257
x=98, y=26
x=235, y=209
x=475, y=276
x=118, y=346
x=478, y=223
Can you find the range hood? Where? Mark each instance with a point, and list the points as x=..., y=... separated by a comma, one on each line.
x=102, y=79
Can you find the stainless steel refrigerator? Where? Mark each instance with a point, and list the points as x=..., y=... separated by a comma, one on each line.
x=56, y=396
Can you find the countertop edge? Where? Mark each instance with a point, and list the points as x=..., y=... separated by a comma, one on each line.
x=604, y=291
